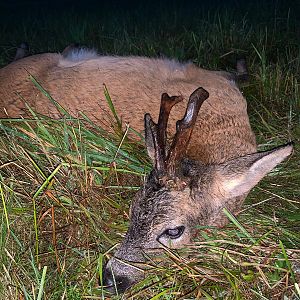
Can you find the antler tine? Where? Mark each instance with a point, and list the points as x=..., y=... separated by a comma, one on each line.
x=166, y=105
x=184, y=128
x=155, y=134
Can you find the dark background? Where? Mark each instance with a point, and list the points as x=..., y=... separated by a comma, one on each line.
x=49, y=26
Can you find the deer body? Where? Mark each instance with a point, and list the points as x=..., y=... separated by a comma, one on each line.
x=135, y=85
x=211, y=164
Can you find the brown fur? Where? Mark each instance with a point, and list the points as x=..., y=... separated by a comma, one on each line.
x=135, y=85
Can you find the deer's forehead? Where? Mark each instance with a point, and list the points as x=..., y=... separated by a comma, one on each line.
x=147, y=214
x=159, y=206
x=150, y=203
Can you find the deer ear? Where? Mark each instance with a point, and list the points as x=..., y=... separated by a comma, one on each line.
x=149, y=138
x=240, y=175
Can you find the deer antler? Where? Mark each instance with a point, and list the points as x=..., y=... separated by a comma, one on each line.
x=156, y=134
x=166, y=105
x=184, y=129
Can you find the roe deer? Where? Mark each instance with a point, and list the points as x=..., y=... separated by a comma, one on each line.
x=211, y=164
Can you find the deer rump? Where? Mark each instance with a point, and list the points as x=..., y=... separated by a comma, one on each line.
x=135, y=85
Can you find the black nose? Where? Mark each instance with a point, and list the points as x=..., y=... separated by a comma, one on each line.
x=114, y=283
x=108, y=280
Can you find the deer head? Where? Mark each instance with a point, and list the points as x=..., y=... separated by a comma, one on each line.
x=180, y=193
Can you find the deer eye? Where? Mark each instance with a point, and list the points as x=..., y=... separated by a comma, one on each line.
x=174, y=233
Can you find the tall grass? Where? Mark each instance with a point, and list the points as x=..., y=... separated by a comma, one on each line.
x=66, y=185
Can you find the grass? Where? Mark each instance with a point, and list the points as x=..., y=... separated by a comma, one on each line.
x=65, y=197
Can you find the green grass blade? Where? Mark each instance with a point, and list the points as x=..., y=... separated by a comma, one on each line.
x=238, y=225
x=42, y=283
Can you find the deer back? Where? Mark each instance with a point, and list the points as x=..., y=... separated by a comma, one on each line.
x=135, y=85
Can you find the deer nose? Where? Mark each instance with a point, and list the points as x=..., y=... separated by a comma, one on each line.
x=114, y=283
x=107, y=278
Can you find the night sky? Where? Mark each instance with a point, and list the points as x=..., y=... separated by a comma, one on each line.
x=19, y=8
x=20, y=20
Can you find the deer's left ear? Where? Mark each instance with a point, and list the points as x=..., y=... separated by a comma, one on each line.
x=240, y=175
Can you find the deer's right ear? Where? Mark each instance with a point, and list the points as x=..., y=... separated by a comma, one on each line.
x=238, y=176
x=150, y=131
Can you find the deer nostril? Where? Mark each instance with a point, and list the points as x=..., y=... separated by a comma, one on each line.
x=113, y=283
x=108, y=280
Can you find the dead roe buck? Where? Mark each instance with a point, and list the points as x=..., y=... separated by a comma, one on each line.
x=210, y=165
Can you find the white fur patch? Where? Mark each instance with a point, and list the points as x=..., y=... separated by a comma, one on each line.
x=80, y=54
